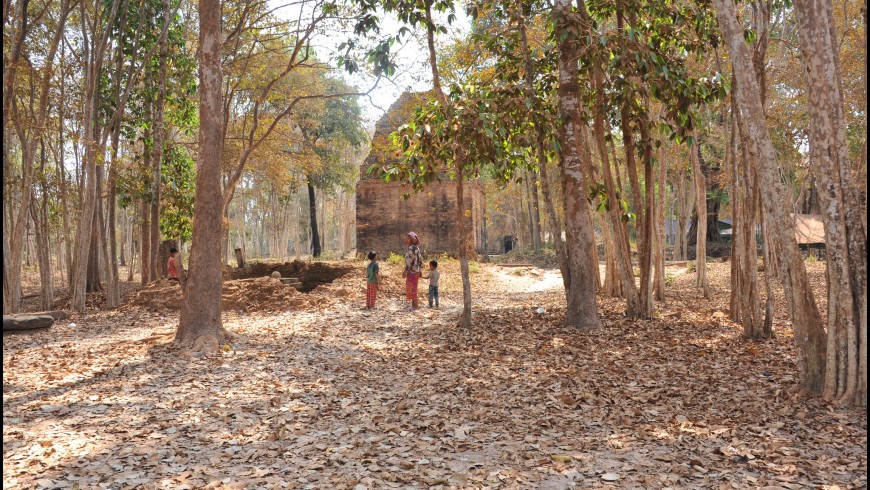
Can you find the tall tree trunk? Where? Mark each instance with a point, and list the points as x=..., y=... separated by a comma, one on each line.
x=122, y=247
x=845, y=234
x=113, y=291
x=806, y=321
x=200, y=324
x=659, y=228
x=28, y=139
x=647, y=230
x=685, y=196
x=312, y=220
x=535, y=199
x=464, y=229
x=582, y=311
x=40, y=226
x=131, y=267
x=145, y=242
x=612, y=281
x=94, y=50
x=622, y=248
x=534, y=237
x=159, y=143
x=701, y=220
x=745, y=262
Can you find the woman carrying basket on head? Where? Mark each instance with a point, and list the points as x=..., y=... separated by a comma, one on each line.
x=413, y=268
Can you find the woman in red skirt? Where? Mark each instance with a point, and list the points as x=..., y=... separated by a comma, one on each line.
x=413, y=267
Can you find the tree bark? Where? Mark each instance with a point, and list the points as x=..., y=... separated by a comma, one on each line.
x=40, y=226
x=701, y=220
x=582, y=311
x=312, y=220
x=621, y=243
x=659, y=232
x=746, y=304
x=806, y=321
x=28, y=140
x=85, y=245
x=159, y=142
x=200, y=324
x=647, y=230
x=144, y=242
x=845, y=234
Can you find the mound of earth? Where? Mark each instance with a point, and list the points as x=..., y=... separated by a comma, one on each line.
x=262, y=294
x=311, y=274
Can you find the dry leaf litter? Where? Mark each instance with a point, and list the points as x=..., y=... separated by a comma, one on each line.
x=315, y=392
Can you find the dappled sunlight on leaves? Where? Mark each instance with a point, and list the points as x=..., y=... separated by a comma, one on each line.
x=336, y=397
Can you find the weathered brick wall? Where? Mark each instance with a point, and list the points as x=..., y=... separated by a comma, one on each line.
x=383, y=217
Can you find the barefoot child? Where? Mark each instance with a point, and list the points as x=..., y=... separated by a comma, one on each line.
x=434, y=275
x=413, y=268
x=172, y=265
x=372, y=272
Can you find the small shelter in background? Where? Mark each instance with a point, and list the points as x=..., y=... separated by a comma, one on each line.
x=809, y=230
x=383, y=216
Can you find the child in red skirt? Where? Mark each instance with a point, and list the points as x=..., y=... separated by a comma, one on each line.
x=372, y=271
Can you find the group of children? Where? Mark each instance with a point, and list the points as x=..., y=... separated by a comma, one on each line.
x=411, y=273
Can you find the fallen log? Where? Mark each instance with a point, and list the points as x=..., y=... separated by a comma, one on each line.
x=26, y=322
x=56, y=314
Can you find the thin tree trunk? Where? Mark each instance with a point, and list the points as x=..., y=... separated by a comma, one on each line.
x=806, y=321
x=533, y=226
x=659, y=229
x=144, y=242
x=534, y=199
x=159, y=142
x=647, y=230
x=612, y=281
x=85, y=243
x=312, y=217
x=122, y=247
x=40, y=226
x=701, y=220
x=113, y=292
x=746, y=196
x=131, y=267
x=620, y=235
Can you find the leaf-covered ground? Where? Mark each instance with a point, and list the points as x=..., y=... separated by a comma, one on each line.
x=334, y=396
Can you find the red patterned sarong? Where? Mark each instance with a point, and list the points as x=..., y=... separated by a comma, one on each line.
x=411, y=285
x=371, y=295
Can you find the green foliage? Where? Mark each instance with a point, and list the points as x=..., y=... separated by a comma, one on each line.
x=331, y=128
x=473, y=267
x=395, y=259
x=598, y=191
x=367, y=27
x=475, y=128
x=176, y=207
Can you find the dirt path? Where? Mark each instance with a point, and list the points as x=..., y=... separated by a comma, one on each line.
x=348, y=398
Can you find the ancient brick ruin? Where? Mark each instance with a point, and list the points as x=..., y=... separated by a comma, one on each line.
x=383, y=217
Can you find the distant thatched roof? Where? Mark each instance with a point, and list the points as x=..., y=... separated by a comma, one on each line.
x=396, y=115
x=809, y=229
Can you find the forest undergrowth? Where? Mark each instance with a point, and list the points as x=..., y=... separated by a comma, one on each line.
x=315, y=392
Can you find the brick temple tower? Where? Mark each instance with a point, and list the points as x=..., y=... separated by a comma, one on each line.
x=383, y=217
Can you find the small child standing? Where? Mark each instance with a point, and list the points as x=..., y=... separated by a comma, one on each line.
x=171, y=265
x=372, y=279
x=434, y=275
